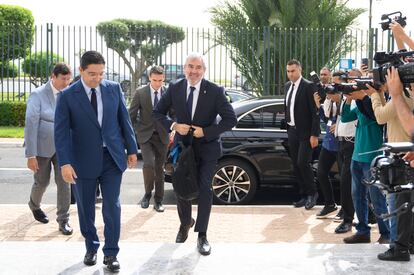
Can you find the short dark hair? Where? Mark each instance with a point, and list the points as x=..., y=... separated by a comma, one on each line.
x=61, y=68
x=156, y=70
x=91, y=57
x=294, y=62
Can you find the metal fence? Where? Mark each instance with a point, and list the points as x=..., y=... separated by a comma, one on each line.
x=270, y=48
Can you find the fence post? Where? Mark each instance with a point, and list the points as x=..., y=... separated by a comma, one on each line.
x=49, y=47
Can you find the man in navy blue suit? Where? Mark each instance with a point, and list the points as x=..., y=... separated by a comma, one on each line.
x=92, y=133
x=197, y=102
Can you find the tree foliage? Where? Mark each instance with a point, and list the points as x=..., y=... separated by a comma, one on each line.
x=139, y=43
x=39, y=66
x=16, y=33
x=263, y=35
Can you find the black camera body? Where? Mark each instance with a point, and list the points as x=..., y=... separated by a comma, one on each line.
x=319, y=86
x=389, y=171
x=388, y=60
x=386, y=20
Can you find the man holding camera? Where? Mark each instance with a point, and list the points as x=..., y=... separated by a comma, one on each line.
x=403, y=245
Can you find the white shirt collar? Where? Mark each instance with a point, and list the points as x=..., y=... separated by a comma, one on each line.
x=55, y=91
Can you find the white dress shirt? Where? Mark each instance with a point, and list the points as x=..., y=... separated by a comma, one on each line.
x=292, y=101
x=98, y=100
x=195, y=96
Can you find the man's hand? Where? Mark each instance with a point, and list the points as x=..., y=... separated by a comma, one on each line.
x=332, y=128
x=313, y=141
x=132, y=160
x=68, y=174
x=32, y=164
x=395, y=86
x=198, y=131
x=317, y=99
x=370, y=90
x=182, y=129
x=410, y=158
x=397, y=30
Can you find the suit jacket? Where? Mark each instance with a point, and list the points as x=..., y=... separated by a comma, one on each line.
x=79, y=137
x=140, y=112
x=39, y=122
x=211, y=102
x=305, y=110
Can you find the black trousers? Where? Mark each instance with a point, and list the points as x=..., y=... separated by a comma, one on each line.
x=346, y=148
x=300, y=152
x=405, y=229
x=205, y=198
x=326, y=161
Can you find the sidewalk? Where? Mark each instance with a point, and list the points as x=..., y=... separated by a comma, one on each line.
x=11, y=142
x=245, y=240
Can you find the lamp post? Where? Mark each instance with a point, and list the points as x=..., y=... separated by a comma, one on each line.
x=370, y=38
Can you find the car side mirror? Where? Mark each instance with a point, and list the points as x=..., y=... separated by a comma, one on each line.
x=283, y=125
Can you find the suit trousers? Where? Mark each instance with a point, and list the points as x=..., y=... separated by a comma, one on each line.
x=85, y=194
x=41, y=182
x=405, y=222
x=346, y=148
x=154, y=153
x=205, y=198
x=300, y=153
x=326, y=161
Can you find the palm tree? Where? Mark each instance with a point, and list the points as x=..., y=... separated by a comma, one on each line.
x=263, y=35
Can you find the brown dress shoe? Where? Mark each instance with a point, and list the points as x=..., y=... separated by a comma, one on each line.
x=358, y=238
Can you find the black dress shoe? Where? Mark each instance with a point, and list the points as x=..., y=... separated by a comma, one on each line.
x=182, y=234
x=111, y=263
x=300, y=203
x=203, y=246
x=159, y=207
x=40, y=216
x=65, y=228
x=393, y=254
x=311, y=201
x=343, y=227
x=145, y=201
x=327, y=209
x=90, y=258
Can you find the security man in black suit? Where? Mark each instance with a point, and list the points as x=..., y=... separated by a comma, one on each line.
x=197, y=102
x=303, y=130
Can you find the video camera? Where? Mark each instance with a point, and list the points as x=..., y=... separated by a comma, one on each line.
x=389, y=171
x=386, y=20
x=387, y=60
x=393, y=174
x=359, y=83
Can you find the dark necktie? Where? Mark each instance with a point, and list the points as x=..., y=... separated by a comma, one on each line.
x=190, y=101
x=289, y=102
x=155, y=99
x=93, y=101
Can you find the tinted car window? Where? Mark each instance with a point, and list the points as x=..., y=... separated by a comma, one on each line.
x=252, y=119
x=272, y=116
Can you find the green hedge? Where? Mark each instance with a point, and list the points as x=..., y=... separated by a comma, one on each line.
x=12, y=113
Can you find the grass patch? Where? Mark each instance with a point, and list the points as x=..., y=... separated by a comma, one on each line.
x=11, y=132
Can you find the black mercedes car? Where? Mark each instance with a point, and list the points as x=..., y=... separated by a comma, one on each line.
x=255, y=153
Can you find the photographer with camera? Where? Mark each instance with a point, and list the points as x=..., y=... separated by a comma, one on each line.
x=328, y=112
x=386, y=113
x=402, y=104
x=368, y=138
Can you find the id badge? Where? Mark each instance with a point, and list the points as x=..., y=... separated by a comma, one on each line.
x=329, y=123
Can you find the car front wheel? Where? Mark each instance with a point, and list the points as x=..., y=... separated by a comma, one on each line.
x=234, y=182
